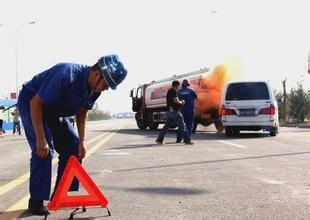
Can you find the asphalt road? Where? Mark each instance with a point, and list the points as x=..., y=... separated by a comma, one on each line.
x=252, y=176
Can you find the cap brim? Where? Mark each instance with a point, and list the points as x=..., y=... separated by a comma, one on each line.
x=110, y=86
x=107, y=78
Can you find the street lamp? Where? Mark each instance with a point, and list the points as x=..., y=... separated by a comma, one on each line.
x=16, y=51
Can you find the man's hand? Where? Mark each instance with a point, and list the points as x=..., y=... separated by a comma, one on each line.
x=183, y=102
x=42, y=148
x=82, y=151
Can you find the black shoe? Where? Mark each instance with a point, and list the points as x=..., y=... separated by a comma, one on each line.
x=36, y=207
x=178, y=141
x=160, y=143
x=189, y=143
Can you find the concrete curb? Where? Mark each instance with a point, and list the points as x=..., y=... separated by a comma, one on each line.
x=295, y=126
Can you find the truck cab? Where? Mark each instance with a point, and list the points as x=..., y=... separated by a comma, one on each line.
x=138, y=105
x=136, y=95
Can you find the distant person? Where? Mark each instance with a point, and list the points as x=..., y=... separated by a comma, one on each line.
x=16, y=121
x=189, y=95
x=1, y=120
x=45, y=103
x=174, y=115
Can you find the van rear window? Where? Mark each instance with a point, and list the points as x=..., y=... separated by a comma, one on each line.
x=247, y=91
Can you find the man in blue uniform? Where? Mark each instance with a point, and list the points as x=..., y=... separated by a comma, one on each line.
x=188, y=109
x=45, y=102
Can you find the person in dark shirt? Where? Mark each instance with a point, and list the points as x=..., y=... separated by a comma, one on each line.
x=174, y=115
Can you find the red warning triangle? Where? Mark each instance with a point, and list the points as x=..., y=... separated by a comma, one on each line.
x=61, y=198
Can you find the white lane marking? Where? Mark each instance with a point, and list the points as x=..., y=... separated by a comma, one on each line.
x=111, y=150
x=104, y=172
x=232, y=144
x=270, y=181
x=114, y=153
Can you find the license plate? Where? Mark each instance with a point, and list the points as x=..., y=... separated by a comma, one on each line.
x=247, y=112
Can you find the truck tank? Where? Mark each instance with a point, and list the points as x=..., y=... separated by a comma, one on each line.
x=209, y=86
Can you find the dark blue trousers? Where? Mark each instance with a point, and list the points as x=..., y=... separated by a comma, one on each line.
x=60, y=136
x=189, y=122
x=176, y=117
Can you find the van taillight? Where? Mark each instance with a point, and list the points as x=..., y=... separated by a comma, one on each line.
x=268, y=111
x=227, y=111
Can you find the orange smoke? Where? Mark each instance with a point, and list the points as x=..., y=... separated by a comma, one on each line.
x=211, y=86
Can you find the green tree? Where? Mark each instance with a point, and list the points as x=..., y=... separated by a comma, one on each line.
x=96, y=114
x=280, y=100
x=299, y=103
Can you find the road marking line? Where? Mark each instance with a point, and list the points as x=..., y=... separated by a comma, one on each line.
x=23, y=178
x=114, y=153
x=96, y=126
x=270, y=181
x=232, y=144
x=111, y=150
x=22, y=204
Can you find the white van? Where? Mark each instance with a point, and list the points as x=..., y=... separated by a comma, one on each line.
x=251, y=106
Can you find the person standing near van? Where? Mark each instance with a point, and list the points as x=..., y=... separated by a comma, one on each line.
x=189, y=95
x=174, y=115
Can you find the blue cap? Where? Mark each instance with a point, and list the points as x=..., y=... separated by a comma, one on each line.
x=112, y=70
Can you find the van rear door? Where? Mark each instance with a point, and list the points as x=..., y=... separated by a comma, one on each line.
x=245, y=101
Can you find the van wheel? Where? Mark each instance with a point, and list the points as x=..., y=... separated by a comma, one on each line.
x=229, y=132
x=219, y=126
x=236, y=132
x=273, y=132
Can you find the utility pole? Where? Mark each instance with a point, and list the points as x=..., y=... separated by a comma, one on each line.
x=308, y=61
x=284, y=98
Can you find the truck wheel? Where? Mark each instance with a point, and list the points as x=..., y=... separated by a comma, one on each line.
x=219, y=126
x=196, y=122
x=154, y=126
x=173, y=126
x=149, y=121
x=140, y=123
x=195, y=128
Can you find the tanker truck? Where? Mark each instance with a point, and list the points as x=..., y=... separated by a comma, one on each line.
x=149, y=100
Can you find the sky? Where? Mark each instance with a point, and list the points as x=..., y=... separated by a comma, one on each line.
x=155, y=39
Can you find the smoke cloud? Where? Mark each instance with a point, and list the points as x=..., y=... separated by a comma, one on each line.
x=212, y=85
